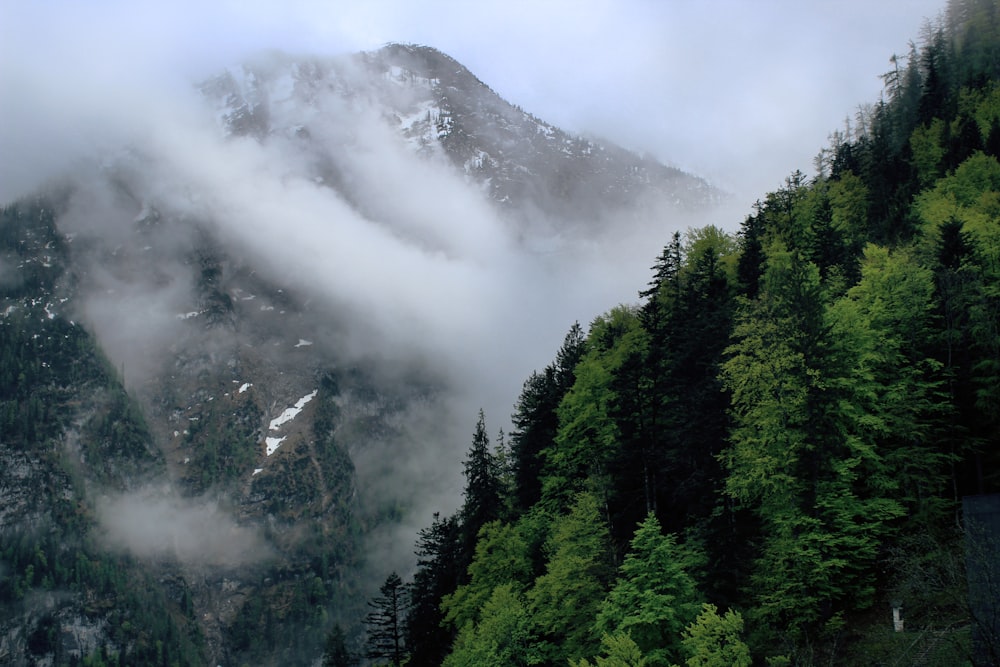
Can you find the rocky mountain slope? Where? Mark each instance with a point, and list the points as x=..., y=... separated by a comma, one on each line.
x=201, y=443
x=535, y=170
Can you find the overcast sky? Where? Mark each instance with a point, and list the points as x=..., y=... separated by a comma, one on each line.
x=739, y=91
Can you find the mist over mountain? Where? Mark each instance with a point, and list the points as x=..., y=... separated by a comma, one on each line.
x=296, y=286
x=537, y=172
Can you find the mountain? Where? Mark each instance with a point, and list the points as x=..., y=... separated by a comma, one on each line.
x=530, y=167
x=238, y=352
x=792, y=439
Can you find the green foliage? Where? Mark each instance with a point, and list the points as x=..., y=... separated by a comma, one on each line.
x=803, y=404
x=587, y=437
x=500, y=638
x=927, y=144
x=654, y=597
x=769, y=378
x=619, y=651
x=712, y=241
x=564, y=601
x=803, y=450
x=716, y=641
x=501, y=558
x=884, y=325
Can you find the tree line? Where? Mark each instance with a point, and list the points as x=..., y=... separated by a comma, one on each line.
x=751, y=462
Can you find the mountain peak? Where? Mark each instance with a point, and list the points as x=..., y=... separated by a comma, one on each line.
x=440, y=107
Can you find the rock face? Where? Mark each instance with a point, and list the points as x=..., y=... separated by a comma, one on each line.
x=222, y=484
x=182, y=423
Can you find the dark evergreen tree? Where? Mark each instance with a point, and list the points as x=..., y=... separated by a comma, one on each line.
x=438, y=555
x=664, y=287
x=698, y=431
x=802, y=414
x=385, y=622
x=483, y=501
x=658, y=316
x=335, y=653
x=751, y=260
x=535, y=420
x=935, y=63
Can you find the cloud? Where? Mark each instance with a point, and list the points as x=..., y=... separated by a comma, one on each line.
x=741, y=92
x=417, y=263
x=152, y=523
x=419, y=257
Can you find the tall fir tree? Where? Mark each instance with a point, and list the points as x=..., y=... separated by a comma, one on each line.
x=483, y=500
x=654, y=597
x=385, y=623
x=437, y=575
x=535, y=419
x=564, y=601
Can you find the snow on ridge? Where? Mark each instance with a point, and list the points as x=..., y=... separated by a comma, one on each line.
x=291, y=413
x=427, y=111
x=245, y=386
x=303, y=343
x=273, y=444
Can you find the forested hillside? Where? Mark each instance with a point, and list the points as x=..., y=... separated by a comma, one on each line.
x=759, y=459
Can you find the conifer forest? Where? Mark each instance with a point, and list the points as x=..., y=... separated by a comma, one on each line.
x=769, y=450
x=783, y=451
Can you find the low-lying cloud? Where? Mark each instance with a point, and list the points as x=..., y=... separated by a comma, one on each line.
x=416, y=261
x=161, y=525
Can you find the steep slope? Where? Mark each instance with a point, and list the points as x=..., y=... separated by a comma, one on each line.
x=234, y=357
x=798, y=427
x=228, y=474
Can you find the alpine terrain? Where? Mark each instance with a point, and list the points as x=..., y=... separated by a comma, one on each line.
x=240, y=352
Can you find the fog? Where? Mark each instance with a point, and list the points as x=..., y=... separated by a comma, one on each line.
x=743, y=93
x=421, y=269
x=424, y=263
x=417, y=261
x=153, y=523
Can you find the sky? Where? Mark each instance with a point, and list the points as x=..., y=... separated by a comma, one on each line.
x=741, y=92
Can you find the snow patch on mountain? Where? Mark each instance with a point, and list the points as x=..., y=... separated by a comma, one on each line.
x=272, y=444
x=291, y=413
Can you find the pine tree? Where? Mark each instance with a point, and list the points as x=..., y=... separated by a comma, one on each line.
x=336, y=653
x=437, y=575
x=501, y=638
x=565, y=600
x=385, y=622
x=716, y=641
x=535, y=419
x=501, y=558
x=483, y=500
x=654, y=597
x=803, y=453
